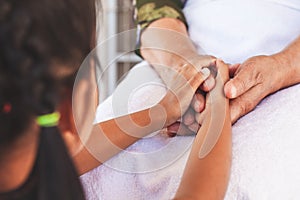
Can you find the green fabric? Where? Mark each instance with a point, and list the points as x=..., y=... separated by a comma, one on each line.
x=147, y=11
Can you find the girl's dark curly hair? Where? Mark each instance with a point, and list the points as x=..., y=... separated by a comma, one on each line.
x=36, y=36
x=42, y=44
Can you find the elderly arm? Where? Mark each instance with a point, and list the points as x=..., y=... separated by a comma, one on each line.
x=260, y=76
x=164, y=40
x=290, y=57
x=166, y=45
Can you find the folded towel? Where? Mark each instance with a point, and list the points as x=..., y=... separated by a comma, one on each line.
x=266, y=158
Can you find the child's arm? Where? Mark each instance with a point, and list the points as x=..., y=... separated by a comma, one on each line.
x=207, y=176
x=108, y=138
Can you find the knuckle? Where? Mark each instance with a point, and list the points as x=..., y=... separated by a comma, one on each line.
x=207, y=60
x=248, y=106
x=201, y=61
x=196, y=80
x=240, y=83
x=240, y=107
x=188, y=70
x=213, y=58
x=253, y=67
x=199, y=77
x=259, y=77
x=245, y=106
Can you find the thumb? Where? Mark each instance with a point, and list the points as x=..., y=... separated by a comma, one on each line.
x=244, y=104
x=239, y=84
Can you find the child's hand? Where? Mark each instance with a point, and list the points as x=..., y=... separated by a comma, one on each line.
x=222, y=78
x=190, y=122
x=181, y=92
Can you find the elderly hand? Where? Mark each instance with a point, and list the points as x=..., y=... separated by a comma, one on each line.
x=165, y=44
x=188, y=124
x=253, y=80
x=181, y=89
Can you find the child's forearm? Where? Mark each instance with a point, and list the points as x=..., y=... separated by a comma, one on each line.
x=207, y=176
x=110, y=137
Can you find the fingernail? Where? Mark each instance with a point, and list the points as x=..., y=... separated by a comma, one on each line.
x=205, y=72
x=197, y=106
x=233, y=92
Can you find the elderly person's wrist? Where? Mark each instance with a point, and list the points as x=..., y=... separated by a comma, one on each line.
x=287, y=71
x=165, y=41
x=165, y=44
x=290, y=59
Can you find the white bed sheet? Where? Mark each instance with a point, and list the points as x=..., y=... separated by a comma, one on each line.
x=266, y=149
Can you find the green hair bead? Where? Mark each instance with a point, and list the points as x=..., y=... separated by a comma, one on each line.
x=48, y=120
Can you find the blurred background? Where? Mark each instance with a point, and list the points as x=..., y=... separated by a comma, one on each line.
x=116, y=55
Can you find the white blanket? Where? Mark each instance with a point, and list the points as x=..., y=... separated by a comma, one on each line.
x=266, y=149
x=235, y=30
